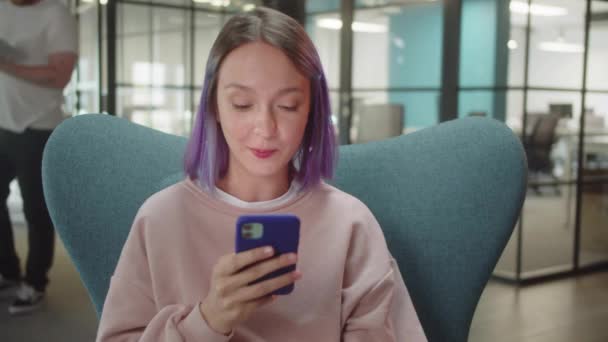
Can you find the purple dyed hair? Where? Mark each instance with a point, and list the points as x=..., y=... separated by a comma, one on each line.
x=206, y=157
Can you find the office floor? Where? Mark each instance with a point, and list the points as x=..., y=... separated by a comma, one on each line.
x=67, y=314
x=574, y=309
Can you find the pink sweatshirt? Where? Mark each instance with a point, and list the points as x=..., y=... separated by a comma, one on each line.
x=351, y=288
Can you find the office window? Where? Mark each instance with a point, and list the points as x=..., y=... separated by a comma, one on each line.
x=556, y=44
x=171, y=46
x=596, y=111
x=552, y=142
x=398, y=46
x=133, y=44
x=372, y=50
x=597, y=68
x=514, y=110
x=594, y=215
x=516, y=46
x=207, y=27
x=153, y=62
x=326, y=38
x=548, y=230
x=562, y=152
x=88, y=63
x=408, y=38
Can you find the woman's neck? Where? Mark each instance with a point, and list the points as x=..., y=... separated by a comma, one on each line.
x=254, y=189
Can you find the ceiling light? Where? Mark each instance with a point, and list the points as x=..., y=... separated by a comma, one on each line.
x=329, y=23
x=539, y=10
x=368, y=27
x=357, y=26
x=220, y=3
x=560, y=46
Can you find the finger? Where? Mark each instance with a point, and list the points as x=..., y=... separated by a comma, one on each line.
x=266, y=287
x=249, y=275
x=256, y=303
x=232, y=263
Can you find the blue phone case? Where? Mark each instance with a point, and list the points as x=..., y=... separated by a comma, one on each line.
x=282, y=232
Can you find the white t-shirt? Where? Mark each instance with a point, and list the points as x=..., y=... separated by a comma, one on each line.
x=291, y=193
x=36, y=31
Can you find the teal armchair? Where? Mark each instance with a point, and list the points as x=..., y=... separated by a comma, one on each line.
x=447, y=198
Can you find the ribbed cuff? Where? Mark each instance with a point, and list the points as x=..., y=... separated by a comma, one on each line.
x=195, y=328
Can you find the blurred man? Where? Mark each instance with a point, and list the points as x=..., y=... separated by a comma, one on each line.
x=38, y=54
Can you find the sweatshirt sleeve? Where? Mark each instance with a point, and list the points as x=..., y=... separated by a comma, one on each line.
x=130, y=312
x=375, y=303
x=403, y=314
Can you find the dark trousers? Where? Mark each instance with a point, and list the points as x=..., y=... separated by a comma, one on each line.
x=21, y=158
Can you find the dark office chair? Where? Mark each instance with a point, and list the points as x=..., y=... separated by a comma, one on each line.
x=538, y=146
x=446, y=197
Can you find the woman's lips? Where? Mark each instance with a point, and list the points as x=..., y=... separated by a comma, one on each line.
x=262, y=154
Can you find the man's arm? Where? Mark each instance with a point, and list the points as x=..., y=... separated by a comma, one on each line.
x=56, y=74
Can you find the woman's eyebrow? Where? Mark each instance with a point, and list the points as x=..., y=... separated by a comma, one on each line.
x=290, y=90
x=246, y=88
x=238, y=86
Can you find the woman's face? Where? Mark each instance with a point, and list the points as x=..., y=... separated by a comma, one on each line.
x=263, y=103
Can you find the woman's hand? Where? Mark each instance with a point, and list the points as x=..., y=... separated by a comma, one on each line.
x=231, y=300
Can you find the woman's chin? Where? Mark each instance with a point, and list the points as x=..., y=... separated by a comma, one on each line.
x=267, y=170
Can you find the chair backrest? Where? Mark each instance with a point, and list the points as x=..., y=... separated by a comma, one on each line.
x=446, y=197
x=543, y=134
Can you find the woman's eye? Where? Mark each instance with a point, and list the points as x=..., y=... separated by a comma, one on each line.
x=240, y=106
x=289, y=108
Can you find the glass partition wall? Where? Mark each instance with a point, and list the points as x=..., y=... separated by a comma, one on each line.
x=537, y=65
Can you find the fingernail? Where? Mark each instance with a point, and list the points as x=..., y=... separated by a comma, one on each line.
x=268, y=250
x=291, y=257
x=297, y=274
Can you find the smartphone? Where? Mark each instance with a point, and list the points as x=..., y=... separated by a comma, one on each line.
x=282, y=232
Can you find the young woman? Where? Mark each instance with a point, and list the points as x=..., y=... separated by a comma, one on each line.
x=262, y=143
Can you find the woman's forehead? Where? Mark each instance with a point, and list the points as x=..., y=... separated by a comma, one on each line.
x=258, y=62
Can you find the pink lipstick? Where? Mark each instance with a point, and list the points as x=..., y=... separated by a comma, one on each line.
x=263, y=154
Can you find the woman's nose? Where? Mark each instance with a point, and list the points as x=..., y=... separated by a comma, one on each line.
x=265, y=124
